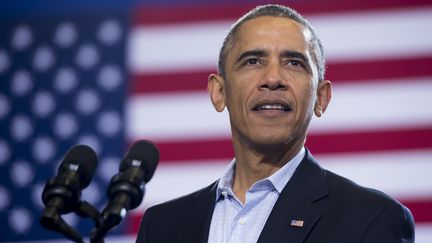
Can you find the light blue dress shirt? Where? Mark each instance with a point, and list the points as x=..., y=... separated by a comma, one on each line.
x=234, y=222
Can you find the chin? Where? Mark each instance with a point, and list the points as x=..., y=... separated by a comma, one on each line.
x=278, y=140
x=272, y=142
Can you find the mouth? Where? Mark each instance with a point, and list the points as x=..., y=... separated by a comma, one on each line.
x=272, y=107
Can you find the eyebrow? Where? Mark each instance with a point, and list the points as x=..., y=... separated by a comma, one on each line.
x=285, y=54
x=252, y=53
x=296, y=54
x=263, y=53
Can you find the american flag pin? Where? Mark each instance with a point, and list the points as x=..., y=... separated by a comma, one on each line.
x=297, y=223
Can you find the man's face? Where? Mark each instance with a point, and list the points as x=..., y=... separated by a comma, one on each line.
x=270, y=88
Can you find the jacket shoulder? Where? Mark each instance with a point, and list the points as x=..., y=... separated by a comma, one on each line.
x=182, y=203
x=347, y=190
x=379, y=217
x=180, y=218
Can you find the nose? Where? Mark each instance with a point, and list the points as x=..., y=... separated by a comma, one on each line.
x=272, y=78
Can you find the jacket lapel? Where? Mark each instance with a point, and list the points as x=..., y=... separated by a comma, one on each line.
x=300, y=205
x=195, y=225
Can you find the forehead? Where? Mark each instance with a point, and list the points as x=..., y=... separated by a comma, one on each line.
x=268, y=31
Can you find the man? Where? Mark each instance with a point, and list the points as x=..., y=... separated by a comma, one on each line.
x=271, y=80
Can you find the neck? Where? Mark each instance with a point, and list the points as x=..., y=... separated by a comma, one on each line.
x=253, y=165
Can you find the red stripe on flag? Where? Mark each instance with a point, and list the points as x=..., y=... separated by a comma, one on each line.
x=384, y=69
x=132, y=223
x=353, y=141
x=146, y=15
x=171, y=82
x=195, y=150
x=421, y=210
x=380, y=69
x=368, y=141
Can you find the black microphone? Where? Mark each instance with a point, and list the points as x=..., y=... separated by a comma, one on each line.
x=62, y=193
x=126, y=189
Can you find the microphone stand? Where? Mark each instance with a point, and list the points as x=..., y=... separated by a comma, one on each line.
x=111, y=217
x=52, y=220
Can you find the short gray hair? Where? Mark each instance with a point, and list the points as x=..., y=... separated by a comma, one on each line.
x=274, y=10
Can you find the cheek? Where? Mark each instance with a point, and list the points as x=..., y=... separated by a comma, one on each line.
x=237, y=94
x=306, y=98
x=239, y=103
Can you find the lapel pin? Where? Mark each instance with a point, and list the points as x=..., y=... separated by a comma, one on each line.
x=297, y=223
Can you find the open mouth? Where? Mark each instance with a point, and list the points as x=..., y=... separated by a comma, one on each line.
x=271, y=106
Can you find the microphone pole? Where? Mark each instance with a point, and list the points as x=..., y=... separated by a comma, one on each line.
x=126, y=189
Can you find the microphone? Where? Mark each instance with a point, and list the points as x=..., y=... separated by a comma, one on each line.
x=62, y=194
x=126, y=189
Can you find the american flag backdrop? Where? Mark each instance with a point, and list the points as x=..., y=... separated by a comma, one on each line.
x=63, y=82
x=106, y=75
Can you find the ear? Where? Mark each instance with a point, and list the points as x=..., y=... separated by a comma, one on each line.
x=324, y=94
x=215, y=87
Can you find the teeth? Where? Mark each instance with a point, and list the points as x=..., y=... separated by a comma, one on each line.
x=272, y=107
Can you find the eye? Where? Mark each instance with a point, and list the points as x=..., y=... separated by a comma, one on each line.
x=251, y=61
x=296, y=63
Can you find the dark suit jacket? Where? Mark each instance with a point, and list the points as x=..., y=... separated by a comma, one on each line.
x=334, y=210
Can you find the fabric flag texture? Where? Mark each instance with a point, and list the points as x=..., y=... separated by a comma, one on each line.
x=109, y=79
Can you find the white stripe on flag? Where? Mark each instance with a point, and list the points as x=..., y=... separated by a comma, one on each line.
x=172, y=116
x=376, y=34
x=401, y=174
x=377, y=105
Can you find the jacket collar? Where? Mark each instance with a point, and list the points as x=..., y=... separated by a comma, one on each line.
x=197, y=220
x=297, y=210
x=300, y=205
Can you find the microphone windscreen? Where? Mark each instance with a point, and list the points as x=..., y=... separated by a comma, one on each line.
x=146, y=153
x=83, y=160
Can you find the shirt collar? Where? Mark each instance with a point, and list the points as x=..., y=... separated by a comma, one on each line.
x=278, y=179
x=281, y=177
x=225, y=182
